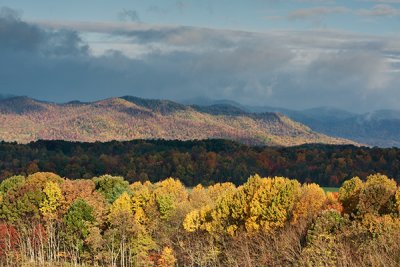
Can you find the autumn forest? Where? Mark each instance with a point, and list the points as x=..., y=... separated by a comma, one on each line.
x=227, y=204
x=47, y=220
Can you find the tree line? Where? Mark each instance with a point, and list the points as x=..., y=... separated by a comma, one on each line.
x=193, y=162
x=48, y=220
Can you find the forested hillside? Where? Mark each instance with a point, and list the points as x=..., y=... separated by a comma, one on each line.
x=24, y=119
x=194, y=162
x=46, y=220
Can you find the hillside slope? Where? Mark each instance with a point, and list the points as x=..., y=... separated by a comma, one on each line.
x=23, y=120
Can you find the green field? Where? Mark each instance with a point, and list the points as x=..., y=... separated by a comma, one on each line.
x=331, y=189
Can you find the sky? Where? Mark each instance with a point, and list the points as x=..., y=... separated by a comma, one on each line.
x=285, y=53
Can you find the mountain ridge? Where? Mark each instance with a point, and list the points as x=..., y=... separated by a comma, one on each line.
x=25, y=119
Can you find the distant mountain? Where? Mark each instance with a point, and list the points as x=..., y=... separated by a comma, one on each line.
x=378, y=128
x=220, y=109
x=327, y=113
x=24, y=119
x=383, y=114
x=204, y=101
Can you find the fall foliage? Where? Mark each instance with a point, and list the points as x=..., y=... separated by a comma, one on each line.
x=271, y=221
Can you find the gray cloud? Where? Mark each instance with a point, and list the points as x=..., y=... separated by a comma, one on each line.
x=17, y=35
x=281, y=68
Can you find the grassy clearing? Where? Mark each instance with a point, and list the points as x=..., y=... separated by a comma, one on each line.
x=331, y=189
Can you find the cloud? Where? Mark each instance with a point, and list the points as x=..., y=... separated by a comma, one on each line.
x=366, y=68
x=19, y=36
x=316, y=13
x=129, y=15
x=295, y=69
x=381, y=10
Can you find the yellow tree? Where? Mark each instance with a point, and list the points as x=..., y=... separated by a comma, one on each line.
x=52, y=200
x=141, y=195
x=272, y=203
x=48, y=208
x=378, y=195
x=172, y=189
x=349, y=194
x=260, y=204
x=121, y=220
x=311, y=202
x=201, y=196
x=171, y=200
x=121, y=210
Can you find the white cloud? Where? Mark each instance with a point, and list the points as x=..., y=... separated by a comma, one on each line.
x=316, y=12
x=381, y=10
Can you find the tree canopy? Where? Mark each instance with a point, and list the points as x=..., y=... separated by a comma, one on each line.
x=46, y=219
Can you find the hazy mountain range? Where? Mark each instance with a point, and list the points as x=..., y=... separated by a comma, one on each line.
x=24, y=119
x=378, y=128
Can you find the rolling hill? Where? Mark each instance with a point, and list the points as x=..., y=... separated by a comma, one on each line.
x=23, y=119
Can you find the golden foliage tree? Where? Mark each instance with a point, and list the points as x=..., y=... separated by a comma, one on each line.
x=310, y=203
x=260, y=204
x=349, y=194
x=52, y=200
